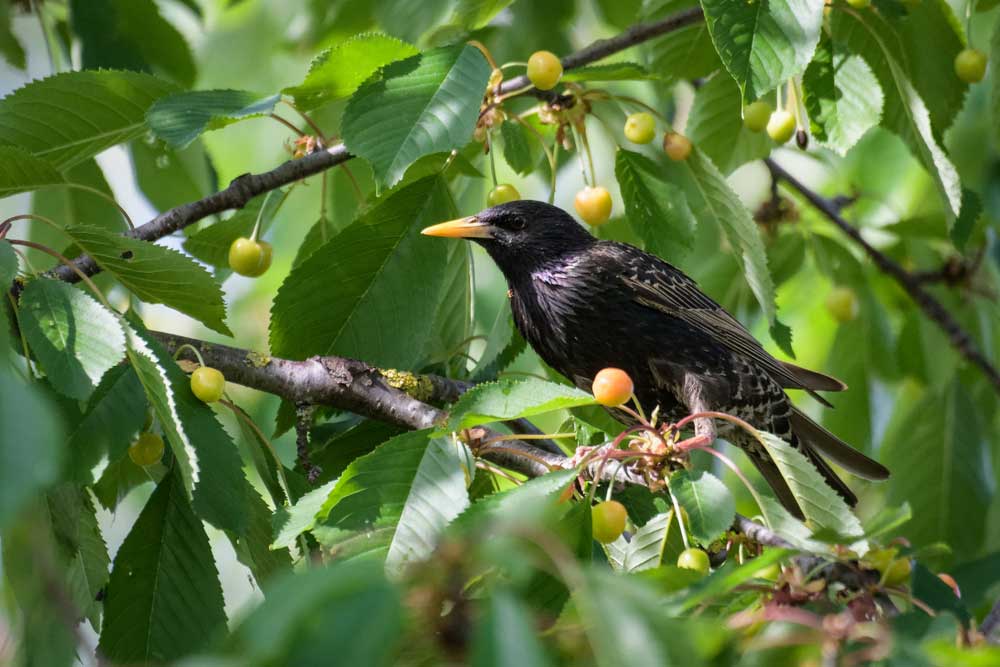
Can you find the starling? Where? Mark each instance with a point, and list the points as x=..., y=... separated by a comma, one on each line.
x=585, y=304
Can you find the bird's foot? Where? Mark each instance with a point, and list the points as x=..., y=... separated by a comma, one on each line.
x=587, y=453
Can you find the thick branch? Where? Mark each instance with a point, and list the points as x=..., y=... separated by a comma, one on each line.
x=236, y=195
x=991, y=623
x=246, y=187
x=959, y=337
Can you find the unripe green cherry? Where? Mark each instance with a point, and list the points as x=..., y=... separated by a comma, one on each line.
x=146, y=450
x=502, y=194
x=781, y=126
x=694, y=559
x=544, y=70
x=208, y=384
x=970, y=65
x=608, y=521
x=248, y=257
x=842, y=303
x=640, y=128
x=756, y=115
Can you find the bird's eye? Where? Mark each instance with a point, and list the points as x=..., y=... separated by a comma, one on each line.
x=517, y=223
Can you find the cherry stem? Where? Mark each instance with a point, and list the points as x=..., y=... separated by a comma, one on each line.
x=309, y=121
x=287, y=124
x=489, y=149
x=245, y=418
x=498, y=472
x=62, y=258
x=485, y=51
x=739, y=473
x=201, y=360
x=105, y=196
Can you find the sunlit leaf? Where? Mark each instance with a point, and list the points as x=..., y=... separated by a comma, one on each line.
x=428, y=103
x=338, y=71
x=842, y=95
x=763, y=44
x=178, y=119
x=92, y=111
x=510, y=398
x=75, y=339
x=709, y=504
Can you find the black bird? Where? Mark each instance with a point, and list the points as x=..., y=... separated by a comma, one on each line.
x=585, y=304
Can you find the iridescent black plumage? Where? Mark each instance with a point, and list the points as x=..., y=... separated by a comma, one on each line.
x=585, y=304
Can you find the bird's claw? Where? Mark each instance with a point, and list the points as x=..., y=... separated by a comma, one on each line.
x=695, y=442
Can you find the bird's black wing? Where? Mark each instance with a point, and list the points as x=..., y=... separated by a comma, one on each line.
x=656, y=284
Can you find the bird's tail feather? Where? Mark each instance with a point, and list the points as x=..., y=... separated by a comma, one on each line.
x=772, y=475
x=813, y=379
x=823, y=442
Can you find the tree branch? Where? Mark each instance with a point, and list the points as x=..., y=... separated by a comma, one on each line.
x=990, y=624
x=959, y=338
x=246, y=187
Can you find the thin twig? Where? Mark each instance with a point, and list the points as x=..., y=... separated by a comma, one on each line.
x=934, y=309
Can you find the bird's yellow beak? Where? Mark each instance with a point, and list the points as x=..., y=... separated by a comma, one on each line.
x=469, y=227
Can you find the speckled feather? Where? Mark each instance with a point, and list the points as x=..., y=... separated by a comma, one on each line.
x=585, y=304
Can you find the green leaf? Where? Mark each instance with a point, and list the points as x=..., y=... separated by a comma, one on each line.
x=93, y=111
x=623, y=71
x=656, y=543
x=823, y=508
x=763, y=44
x=180, y=118
x=657, y=209
x=377, y=271
x=10, y=48
x=932, y=70
x=300, y=517
x=75, y=339
x=74, y=205
x=729, y=577
x=20, y=172
x=474, y=14
x=517, y=148
x=510, y=398
x=972, y=209
x=904, y=113
x=30, y=444
x=428, y=103
x=114, y=414
x=85, y=556
x=715, y=125
x=506, y=636
x=253, y=546
x=338, y=71
x=518, y=503
x=130, y=34
x=164, y=599
x=939, y=443
x=362, y=512
x=709, y=504
x=711, y=198
x=346, y=612
x=842, y=96
x=211, y=244
x=156, y=274
x=170, y=177
x=206, y=456
x=438, y=494
x=687, y=53
x=994, y=78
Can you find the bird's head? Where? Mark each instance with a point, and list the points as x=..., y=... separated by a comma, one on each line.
x=520, y=234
